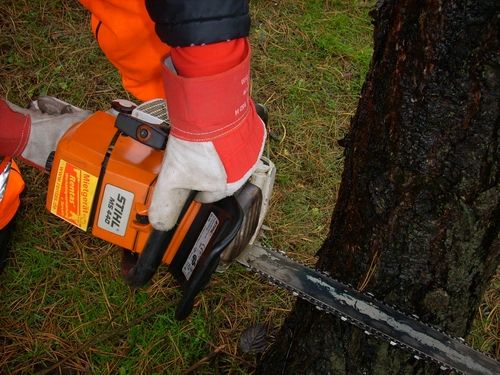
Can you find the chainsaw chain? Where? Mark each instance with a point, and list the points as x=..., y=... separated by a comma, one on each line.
x=367, y=330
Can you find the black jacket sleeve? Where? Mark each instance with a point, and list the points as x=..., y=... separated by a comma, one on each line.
x=181, y=23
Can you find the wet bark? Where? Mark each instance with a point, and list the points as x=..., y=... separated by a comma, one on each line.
x=417, y=217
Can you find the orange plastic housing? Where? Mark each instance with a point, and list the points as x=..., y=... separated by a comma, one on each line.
x=102, y=182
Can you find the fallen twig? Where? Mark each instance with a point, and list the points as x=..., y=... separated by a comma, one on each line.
x=204, y=360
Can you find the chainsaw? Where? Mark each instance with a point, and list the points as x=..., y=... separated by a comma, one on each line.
x=102, y=177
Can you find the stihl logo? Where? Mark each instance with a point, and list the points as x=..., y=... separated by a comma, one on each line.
x=115, y=209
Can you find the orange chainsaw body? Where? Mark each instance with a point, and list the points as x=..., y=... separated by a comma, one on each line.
x=102, y=181
x=102, y=177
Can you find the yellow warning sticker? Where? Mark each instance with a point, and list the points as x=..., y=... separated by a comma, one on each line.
x=73, y=195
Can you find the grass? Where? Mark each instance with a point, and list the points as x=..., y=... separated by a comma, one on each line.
x=64, y=305
x=485, y=334
x=312, y=92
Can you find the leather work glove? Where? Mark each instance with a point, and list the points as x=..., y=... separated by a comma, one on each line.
x=216, y=136
x=33, y=133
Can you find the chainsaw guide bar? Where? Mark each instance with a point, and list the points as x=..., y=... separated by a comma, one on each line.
x=370, y=315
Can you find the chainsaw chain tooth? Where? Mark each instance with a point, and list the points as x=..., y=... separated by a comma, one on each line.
x=369, y=331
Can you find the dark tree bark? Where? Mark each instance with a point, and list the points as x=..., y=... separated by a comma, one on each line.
x=417, y=217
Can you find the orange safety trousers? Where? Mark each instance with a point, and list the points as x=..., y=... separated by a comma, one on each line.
x=127, y=37
x=10, y=202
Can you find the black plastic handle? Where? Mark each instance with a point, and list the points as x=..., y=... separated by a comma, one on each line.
x=209, y=260
x=151, y=256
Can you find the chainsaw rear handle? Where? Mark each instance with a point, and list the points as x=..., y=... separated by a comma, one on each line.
x=151, y=256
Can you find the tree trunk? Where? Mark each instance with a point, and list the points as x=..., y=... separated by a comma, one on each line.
x=417, y=217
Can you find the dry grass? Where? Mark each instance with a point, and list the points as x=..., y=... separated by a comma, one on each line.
x=485, y=335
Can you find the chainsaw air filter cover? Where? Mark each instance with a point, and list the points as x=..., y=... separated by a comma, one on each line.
x=102, y=181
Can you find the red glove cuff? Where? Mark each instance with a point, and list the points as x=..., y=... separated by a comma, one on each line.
x=15, y=130
x=208, y=100
x=210, y=59
x=209, y=107
x=242, y=149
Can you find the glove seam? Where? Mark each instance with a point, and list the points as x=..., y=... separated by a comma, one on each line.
x=24, y=137
x=221, y=132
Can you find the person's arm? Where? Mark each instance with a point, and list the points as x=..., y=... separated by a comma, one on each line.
x=33, y=133
x=216, y=136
